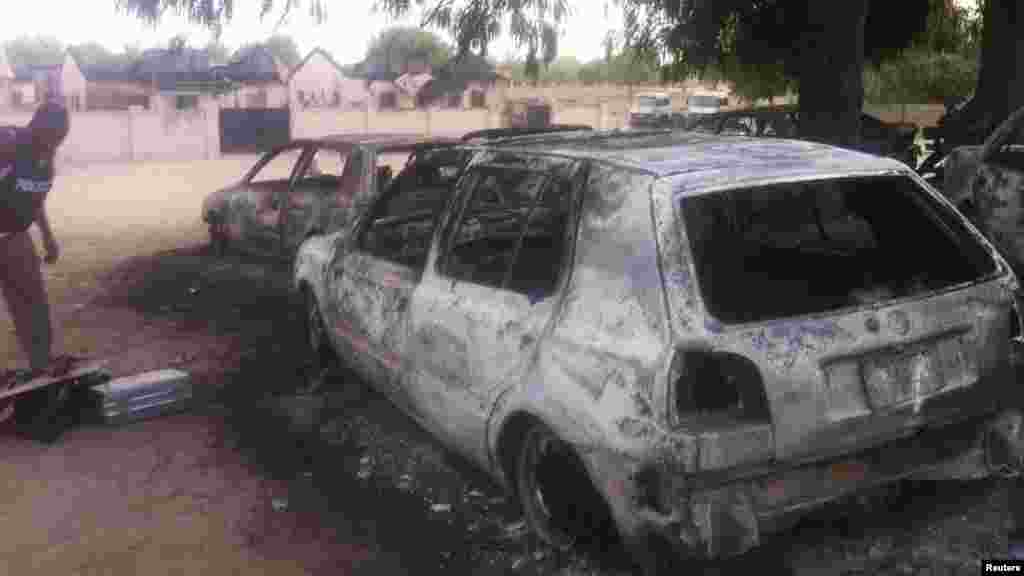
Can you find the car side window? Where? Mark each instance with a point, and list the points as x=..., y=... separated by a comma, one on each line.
x=279, y=167
x=512, y=232
x=324, y=169
x=402, y=220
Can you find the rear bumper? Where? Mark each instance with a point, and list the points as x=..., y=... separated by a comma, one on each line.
x=703, y=518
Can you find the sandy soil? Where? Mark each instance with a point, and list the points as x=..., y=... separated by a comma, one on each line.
x=232, y=487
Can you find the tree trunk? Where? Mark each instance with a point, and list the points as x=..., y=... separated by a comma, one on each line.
x=831, y=68
x=1000, y=88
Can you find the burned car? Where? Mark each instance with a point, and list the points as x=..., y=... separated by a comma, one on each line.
x=710, y=334
x=894, y=140
x=308, y=187
x=987, y=182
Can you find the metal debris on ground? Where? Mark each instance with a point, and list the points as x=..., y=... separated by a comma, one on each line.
x=279, y=504
x=405, y=482
x=441, y=507
x=365, y=467
x=515, y=530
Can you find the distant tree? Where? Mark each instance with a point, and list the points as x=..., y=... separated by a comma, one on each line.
x=95, y=54
x=625, y=66
x=394, y=48
x=219, y=53
x=473, y=24
x=284, y=49
x=131, y=51
x=177, y=43
x=34, y=51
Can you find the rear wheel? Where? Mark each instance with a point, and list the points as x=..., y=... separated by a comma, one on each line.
x=560, y=503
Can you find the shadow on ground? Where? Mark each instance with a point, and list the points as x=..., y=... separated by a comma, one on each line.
x=368, y=469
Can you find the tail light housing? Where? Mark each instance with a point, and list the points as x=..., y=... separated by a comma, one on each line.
x=723, y=384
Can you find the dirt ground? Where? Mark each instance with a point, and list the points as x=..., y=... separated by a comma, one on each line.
x=233, y=486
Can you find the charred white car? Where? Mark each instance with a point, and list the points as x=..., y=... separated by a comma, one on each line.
x=711, y=332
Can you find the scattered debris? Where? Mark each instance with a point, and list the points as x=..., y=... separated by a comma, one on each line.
x=441, y=508
x=302, y=411
x=405, y=482
x=365, y=467
x=279, y=504
x=515, y=531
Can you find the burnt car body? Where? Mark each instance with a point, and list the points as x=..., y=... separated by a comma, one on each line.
x=877, y=137
x=718, y=332
x=987, y=182
x=306, y=187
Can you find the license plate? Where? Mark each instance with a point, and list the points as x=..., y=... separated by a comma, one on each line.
x=897, y=379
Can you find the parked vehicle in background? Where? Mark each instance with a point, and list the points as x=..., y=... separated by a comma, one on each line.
x=877, y=137
x=986, y=182
x=650, y=109
x=700, y=103
x=689, y=337
x=307, y=187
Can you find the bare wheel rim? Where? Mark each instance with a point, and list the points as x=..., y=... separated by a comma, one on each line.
x=218, y=238
x=545, y=505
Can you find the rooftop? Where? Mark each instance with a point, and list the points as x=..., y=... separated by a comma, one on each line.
x=705, y=158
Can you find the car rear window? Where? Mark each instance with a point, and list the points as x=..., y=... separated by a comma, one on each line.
x=802, y=248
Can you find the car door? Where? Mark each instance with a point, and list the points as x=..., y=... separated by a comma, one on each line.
x=997, y=187
x=254, y=215
x=487, y=296
x=371, y=281
x=314, y=194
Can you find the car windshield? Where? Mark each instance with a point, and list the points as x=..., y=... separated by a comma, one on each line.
x=703, y=101
x=813, y=247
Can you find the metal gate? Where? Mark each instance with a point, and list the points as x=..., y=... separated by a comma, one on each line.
x=253, y=129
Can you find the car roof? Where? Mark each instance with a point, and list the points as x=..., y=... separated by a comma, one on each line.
x=667, y=153
x=516, y=132
x=377, y=141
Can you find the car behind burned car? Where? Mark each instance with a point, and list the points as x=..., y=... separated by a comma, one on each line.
x=877, y=137
x=987, y=182
x=696, y=335
x=309, y=186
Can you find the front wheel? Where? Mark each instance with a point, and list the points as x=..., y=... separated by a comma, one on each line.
x=317, y=346
x=218, y=239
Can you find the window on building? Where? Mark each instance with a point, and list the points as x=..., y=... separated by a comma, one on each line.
x=186, y=101
x=477, y=99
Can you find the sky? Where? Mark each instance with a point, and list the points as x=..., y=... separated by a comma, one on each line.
x=347, y=32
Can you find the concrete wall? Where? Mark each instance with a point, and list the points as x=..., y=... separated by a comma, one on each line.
x=269, y=95
x=116, y=95
x=445, y=122
x=155, y=135
x=119, y=136
x=72, y=84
